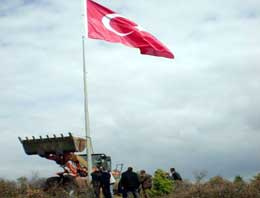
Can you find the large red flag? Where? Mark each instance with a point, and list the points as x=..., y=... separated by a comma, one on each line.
x=105, y=24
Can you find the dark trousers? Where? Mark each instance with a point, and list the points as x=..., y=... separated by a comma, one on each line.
x=127, y=192
x=96, y=187
x=106, y=191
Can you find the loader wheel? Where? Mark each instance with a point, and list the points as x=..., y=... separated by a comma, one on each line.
x=69, y=185
x=52, y=183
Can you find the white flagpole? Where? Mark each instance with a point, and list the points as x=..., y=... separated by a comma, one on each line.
x=87, y=128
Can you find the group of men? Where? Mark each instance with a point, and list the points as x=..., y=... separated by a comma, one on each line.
x=130, y=182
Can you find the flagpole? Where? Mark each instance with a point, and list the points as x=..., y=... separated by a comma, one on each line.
x=87, y=127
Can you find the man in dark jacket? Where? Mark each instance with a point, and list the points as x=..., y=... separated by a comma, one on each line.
x=105, y=183
x=130, y=183
x=96, y=181
x=175, y=175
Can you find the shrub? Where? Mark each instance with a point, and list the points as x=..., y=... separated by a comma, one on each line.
x=162, y=185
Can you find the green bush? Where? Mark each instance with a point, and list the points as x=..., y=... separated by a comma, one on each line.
x=162, y=185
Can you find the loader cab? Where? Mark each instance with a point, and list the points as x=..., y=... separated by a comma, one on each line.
x=100, y=159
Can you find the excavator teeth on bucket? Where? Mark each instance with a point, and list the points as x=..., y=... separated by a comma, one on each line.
x=53, y=145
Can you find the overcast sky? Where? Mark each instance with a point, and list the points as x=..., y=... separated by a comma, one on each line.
x=199, y=111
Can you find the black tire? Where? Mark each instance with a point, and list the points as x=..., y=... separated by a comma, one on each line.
x=69, y=185
x=52, y=183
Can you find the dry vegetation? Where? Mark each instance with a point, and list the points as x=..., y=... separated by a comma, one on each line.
x=216, y=187
x=34, y=188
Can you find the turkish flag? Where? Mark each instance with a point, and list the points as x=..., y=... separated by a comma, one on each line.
x=107, y=25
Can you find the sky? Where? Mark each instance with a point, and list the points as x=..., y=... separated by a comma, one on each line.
x=198, y=112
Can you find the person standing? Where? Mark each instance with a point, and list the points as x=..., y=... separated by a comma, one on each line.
x=130, y=183
x=175, y=175
x=112, y=183
x=146, y=183
x=96, y=181
x=105, y=183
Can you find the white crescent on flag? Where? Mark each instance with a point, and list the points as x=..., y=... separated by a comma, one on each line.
x=106, y=22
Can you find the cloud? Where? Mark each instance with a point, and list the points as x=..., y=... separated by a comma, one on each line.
x=197, y=112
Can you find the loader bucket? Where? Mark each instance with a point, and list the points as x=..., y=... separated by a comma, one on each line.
x=53, y=145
